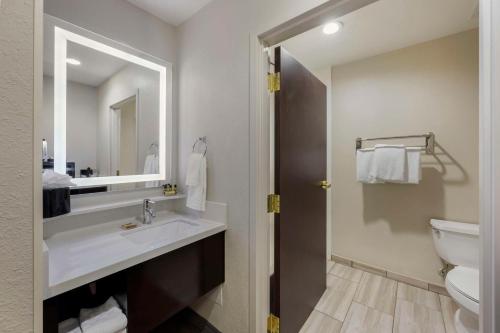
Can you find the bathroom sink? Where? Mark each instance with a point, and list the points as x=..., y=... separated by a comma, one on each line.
x=163, y=232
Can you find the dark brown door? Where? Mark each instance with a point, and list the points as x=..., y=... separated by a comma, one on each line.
x=300, y=166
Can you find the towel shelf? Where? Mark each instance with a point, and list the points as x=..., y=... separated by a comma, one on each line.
x=428, y=147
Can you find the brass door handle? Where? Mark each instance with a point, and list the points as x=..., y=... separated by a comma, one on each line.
x=325, y=185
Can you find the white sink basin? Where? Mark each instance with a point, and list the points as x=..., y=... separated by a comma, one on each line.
x=163, y=232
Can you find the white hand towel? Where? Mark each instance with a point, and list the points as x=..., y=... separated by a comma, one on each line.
x=414, y=171
x=71, y=325
x=193, y=174
x=107, y=318
x=152, y=167
x=389, y=163
x=197, y=176
x=364, y=164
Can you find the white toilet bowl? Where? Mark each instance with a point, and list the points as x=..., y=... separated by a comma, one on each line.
x=458, y=244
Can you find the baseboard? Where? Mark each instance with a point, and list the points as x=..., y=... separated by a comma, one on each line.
x=391, y=275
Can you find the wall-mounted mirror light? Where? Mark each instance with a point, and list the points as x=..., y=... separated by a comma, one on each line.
x=110, y=107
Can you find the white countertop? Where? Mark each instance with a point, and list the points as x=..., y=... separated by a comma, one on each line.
x=80, y=256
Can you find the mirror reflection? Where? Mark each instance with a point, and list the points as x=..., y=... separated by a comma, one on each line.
x=112, y=114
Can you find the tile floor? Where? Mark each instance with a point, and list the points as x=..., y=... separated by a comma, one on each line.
x=362, y=302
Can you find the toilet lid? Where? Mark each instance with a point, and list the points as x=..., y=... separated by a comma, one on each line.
x=466, y=281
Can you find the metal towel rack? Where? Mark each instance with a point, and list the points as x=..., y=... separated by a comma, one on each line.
x=201, y=140
x=429, y=141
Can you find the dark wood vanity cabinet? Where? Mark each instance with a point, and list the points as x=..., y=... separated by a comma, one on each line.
x=161, y=287
x=156, y=289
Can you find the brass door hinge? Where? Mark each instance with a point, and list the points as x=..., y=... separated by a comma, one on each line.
x=273, y=203
x=273, y=82
x=273, y=324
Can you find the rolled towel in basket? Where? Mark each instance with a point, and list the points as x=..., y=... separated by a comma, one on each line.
x=107, y=318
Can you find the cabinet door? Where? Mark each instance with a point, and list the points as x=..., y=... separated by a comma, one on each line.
x=161, y=287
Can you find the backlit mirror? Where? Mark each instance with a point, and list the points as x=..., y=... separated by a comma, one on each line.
x=107, y=110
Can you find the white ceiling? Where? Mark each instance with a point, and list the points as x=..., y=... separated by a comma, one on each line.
x=382, y=27
x=171, y=11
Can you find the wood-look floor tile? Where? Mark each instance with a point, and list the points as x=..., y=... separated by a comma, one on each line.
x=448, y=308
x=419, y=296
x=333, y=281
x=321, y=323
x=329, y=265
x=412, y=317
x=346, y=272
x=377, y=292
x=337, y=298
x=362, y=319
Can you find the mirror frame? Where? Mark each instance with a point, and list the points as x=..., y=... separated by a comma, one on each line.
x=61, y=38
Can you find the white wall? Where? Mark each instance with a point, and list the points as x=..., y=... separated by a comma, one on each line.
x=429, y=87
x=81, y=123
x=16, y=165
x=214, y=49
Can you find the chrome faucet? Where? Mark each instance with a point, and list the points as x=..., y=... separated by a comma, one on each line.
x=148, y=211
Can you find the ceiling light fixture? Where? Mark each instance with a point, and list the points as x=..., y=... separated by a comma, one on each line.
x=332, y=28
x=73, y=61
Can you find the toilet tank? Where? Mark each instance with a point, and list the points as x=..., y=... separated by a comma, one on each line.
x=457, y=242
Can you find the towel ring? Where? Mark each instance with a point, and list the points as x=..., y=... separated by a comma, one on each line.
x=153, y=149
x=201, y=140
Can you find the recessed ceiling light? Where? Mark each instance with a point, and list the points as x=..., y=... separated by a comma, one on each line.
x=332, y=28
x=73, y=61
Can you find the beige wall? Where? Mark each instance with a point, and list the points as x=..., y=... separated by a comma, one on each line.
x=427, y=87
x=16, y=166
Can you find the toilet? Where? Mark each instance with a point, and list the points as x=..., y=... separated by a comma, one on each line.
x=458, y=244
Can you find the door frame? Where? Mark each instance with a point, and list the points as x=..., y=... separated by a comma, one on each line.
x=260, y=147
x=38, y=243
x=489, y=154
x=115, y=121
x=489, y=79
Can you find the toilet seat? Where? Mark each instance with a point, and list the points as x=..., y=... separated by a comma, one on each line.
x=462, y=283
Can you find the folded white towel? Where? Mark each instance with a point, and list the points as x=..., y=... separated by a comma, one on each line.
x=71, y=325
x=196, y=182
x=389, y=163
x=364, y=163
x=107, y=318
x=414, y=172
